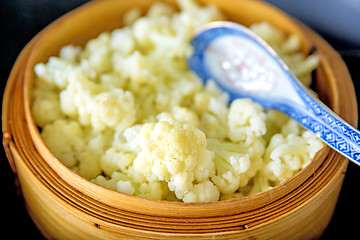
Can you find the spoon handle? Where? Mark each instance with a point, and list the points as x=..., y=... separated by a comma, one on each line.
x=328, y=126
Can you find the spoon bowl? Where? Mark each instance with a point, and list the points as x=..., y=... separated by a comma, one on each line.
x=245, y=66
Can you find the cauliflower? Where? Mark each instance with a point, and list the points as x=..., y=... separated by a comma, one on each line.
x=289, y=152
x=93, y=105
x=55, y=72
x=77, y=147
x=98, y=53
x=235, y=163
x=122, y=41
x=212, y=106
x=246, y=119
x=45, y=106
x=260, y=183
x=89, y=164
x=180, y=114
x=127, y=141
x=202, y=192
x=113, y=109
x=123, y=183
x=274, y=121
x=126, y=112
x=175, y=153
x=65, y=139
x=117, y=181
x=70, y=53
x=113, y=161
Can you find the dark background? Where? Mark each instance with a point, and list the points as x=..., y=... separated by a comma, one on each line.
x=337, y=21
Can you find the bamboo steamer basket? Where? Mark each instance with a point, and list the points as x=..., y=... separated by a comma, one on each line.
x=64, y=205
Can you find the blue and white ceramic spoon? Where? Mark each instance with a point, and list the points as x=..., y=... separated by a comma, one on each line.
x=243, y=65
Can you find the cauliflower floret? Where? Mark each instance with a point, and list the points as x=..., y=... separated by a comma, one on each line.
x=77, y=95
x=291, y=127
x=128, y=141
x=113, y=109
x=98, y=53
x=260, y=183
x=122, y=41
x=213, y=127
x=112, y=80
x=92, y=105
x=112, y=181
x=180, y=114
x=70, y=53
x=274, y=122
x=55, y=72
x=89, y=164
x=270, y=34
x=288, y=153
x=45, y=106
x=202, y=192
x=226, y=179
x=193, y=15
x=113, y=161
x=246, y=119
x=65, y=139
x=125, y=187
x=314, y=143
x=126, y=183
x=136, y=67
x=152, y=190
x=77, y=147
x=175, y=153
x=160, y=32
x=235, y=163
x=212, y=105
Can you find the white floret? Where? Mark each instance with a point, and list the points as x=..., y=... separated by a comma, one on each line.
x=89, y=164
x=70, y=53
x=204, y=191
x=122, y=41
x=111, y=182
x=128, y=141
x=235, y=164
x=113, y=109
x=65, y=139
x=180, y=114
x=246, y=118
x=55, y=72
x=152, y=190
x=113, y=161
x=98, y=53
x=289, y=152
x=45, y=106
x=171, y=152
x=125, y=187
x=84, y=99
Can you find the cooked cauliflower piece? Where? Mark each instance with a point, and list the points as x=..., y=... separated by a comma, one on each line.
x=246, y=119
x=202, y=192
x=45, y=107
x=65, y=139
x=287, y=154
x=235, y=163
x=125, y=112
x=175, y=153
x=55, y=72
x=93, y=105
